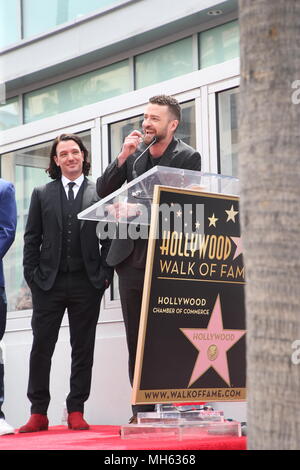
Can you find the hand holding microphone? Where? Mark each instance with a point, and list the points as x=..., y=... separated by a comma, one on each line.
x=130, y=145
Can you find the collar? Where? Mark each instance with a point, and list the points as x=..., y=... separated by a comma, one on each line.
x=78, y=180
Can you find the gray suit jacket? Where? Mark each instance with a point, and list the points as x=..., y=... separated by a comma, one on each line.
x=177, y=155
x=43, y=238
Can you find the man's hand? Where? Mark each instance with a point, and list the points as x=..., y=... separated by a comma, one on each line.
x=130, y=145
x=123, y=210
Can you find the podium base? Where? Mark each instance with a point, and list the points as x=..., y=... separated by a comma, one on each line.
x=177, y=423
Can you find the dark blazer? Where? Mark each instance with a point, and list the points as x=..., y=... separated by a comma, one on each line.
x=8, y=221
x=177, y=155
x=43, y=238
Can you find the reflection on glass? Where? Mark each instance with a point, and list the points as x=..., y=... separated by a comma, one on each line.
x=228, y=132
x=164, y=63
x=9, y=114
x=219, y=44
x=50, y=13
x=9, y=27
x=187, y=128
x=119, y=130
x=26, y=169
x=89, y=88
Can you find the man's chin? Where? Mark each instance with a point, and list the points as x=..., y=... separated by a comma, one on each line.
x=72, y=175
x=149, y=138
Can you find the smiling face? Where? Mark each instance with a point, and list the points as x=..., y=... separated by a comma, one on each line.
x=158, y=122
x=69, y=158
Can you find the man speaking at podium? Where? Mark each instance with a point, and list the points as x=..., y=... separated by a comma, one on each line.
x=157, y=145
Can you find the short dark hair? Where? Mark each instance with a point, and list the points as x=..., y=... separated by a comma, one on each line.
x=54, y=170
x=172, y=103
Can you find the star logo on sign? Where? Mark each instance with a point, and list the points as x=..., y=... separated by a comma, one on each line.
x=231, y=214
x=212, y=343
x=212, y=220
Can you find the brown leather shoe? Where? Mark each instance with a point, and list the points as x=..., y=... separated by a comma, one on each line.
x=37, y=422
x=76, y=421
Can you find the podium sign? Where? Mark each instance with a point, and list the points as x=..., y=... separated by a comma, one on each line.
x=192, y=344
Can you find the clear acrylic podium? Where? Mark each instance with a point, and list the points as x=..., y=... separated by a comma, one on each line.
x=140, y=191
x=168, y=420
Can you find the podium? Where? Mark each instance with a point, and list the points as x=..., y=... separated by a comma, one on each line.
x=141, y=190
x=191, y=345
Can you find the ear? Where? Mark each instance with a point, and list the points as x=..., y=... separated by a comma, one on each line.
x=174, y=125
x=56, y=160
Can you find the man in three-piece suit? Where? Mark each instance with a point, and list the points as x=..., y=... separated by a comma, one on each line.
x=64, y=269
x=161, y=119
x=8, y=222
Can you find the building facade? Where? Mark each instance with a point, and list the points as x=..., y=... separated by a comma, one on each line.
x=89, y=68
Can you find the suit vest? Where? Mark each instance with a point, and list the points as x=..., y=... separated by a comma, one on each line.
x=71, y=256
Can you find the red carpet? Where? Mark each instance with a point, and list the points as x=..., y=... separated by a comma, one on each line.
x=108, y=438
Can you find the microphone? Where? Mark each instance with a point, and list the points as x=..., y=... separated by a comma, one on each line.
x=154, y=141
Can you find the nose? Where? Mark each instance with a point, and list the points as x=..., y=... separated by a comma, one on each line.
x=146, y=121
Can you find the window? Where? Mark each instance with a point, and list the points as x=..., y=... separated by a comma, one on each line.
x=9, y=22
x=219, y=44
x=26, y=169
x=10, y=114
x=228, y=132
x=78, y=91
x=175, y=59
x=50, y=13
x=164, y=63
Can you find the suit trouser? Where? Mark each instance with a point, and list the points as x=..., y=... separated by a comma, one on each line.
x=3, y=310
x=131, y=282
x=74, y=292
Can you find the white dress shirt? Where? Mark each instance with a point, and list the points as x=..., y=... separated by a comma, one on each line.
x=78, y=182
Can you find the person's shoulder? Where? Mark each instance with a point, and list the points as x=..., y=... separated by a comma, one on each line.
x=91, y=188
x=89, y=183
x=44, y=188
x=4, y=184
x=181, y=145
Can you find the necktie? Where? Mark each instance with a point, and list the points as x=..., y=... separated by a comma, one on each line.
x=70, y=192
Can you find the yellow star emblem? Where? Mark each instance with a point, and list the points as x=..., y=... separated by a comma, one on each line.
x=212, y=220
x=231, y=214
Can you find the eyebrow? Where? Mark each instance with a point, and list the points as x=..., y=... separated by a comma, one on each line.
x=72, y=150
x=151, y=115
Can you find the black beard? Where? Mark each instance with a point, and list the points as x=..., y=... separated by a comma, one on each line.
x=149, y=138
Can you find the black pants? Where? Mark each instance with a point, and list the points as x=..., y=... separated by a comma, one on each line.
x=3, y=310
x=131, y=283
x=74, y=292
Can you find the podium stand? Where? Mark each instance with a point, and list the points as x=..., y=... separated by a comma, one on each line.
x=191, y=345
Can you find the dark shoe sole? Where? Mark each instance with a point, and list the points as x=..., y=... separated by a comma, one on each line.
x=35, y=430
